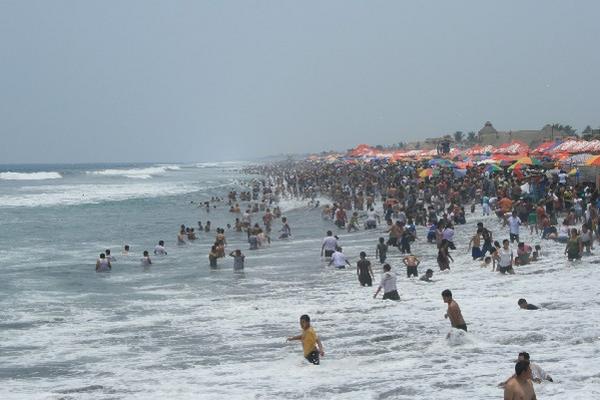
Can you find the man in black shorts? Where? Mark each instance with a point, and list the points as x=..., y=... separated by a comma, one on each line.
x=364, y=271
x=411, y=263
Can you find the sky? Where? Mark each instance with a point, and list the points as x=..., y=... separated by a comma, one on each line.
x=132, y=81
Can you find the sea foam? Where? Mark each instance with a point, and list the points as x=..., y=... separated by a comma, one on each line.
x=136, y=173
x=49, y=195
x=29, y=176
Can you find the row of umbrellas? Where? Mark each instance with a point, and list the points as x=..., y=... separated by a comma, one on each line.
x=496, y=165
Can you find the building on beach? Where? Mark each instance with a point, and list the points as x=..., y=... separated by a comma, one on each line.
x=488, y=135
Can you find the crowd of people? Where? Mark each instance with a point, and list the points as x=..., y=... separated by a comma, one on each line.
x=395, y=198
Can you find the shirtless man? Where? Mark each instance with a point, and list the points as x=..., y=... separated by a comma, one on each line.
x=475, y=245
x=456, y=318
x=268, y=220
x=520, y=386
x=411, y=262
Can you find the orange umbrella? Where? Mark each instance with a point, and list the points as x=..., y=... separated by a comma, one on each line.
x=425, y=173
x=595, y=161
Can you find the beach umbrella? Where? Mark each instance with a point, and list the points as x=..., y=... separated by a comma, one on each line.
x=595, y=161
x=528, y=161
x=489, y=161
x=493, y=168
x=441, y=162
x=576, y=160
x=426, y=173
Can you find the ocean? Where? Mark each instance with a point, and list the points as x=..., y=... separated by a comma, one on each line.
x=178, y=330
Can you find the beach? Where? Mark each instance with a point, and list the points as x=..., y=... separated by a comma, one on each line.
x=181, y=330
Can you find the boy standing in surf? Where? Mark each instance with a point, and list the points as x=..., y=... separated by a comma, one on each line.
x=456, y=318
x=311, y=344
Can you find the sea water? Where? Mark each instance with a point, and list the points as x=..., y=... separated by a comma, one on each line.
x=178, y=330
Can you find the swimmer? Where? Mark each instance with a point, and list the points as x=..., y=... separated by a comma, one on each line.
x=238, y=260
x=338, y=259
x=146, y=261
x=538, y=375
x=475, y=245
x=159, y=249
x=364, y=270
x=487, y=261
x=213, y=255
x=526, y=306
x=110, y=258
x=286, y=231
x=453, y=312
x=311, y=344
x=411, y=262
x=388, y=284
x=181, y=237
x=426, y=277
x=329, y=245
x=504, y=257
x=381, y=250
x=125, y=251
x=103, y=264
x=520, y=387
x=353, y=224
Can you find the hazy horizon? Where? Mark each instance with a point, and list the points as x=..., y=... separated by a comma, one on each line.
x=89, y=82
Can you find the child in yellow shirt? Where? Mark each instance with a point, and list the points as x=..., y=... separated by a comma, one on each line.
x=311, y=344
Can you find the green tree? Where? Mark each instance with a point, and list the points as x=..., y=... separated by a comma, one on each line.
x=418, y=145
x=568, y=129
x=588, y=129
x=458, y=136
x=471, y=137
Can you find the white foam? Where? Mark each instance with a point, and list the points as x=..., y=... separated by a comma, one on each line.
x=294, y=204
x=29, y=176
x=228, y=164
x=44, y=196
x=136, y=173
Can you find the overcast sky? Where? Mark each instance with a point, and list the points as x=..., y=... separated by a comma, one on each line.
x=90, y=81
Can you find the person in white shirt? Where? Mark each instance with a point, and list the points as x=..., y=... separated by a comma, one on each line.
x=388, y=284
x=159, y=249
x=372, y=219
x=538, y=375
x=514, y=222
x=338, y=259
x=562, y=177
x=329, y=245
x=103, y=264
x=109, y=257
x=504, y=256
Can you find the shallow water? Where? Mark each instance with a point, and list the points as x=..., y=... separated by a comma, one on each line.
x=179, y=330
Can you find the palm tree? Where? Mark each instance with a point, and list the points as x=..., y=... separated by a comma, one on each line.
x=471, y=137
x=458, y=136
